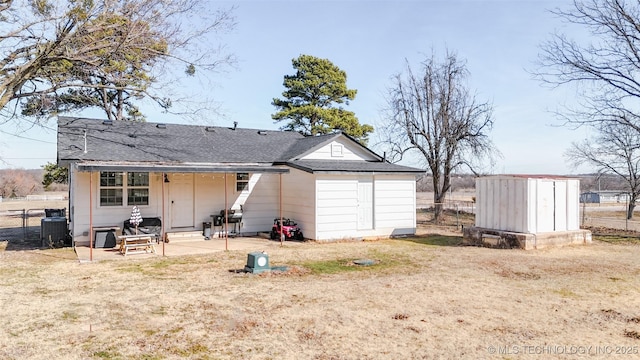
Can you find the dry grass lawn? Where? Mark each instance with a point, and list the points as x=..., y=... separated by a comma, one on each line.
x=424, y=298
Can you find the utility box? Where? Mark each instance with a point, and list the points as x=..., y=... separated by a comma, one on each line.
x=53, y=230
x=257, y=262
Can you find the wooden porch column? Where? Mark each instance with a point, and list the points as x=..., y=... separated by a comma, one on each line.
x=226, y=216
x=90, y=216
x=163, y=220
x=281, y=231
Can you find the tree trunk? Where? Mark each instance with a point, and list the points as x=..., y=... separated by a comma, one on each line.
x=632, y=205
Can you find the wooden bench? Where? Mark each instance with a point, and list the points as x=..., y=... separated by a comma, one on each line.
x=137, y=244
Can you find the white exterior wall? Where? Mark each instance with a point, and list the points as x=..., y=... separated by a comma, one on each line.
x=527, y=205
x=502, y=204
x=395, y=205
x=336, y=206
x=260, y=202
x=339, y=149
x=393, y=208
x=299, y=201
x=106, y=215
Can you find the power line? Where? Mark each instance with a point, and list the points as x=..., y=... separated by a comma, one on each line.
x=27, y=138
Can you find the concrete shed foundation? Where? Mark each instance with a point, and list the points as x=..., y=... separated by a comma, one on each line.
x=500, y=239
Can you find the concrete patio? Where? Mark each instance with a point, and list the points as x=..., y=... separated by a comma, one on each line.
x=179, y=248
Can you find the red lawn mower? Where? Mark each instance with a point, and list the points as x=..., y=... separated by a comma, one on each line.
x=289, y=228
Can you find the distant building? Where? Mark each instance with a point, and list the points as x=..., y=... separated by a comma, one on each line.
x=604, y=197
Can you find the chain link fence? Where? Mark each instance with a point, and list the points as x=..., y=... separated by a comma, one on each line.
x=610, y=216
x=21, y=229
x=454, y=213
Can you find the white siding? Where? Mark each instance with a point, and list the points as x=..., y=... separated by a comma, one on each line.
x=350, y=151
x=527, y=205
x=299, y=200
x=573, y=212
x=503, y=203
x=560, y=202
x=395, y=205
x=337, y=206
x=105, y=216
x=324, y=206
x=260, y=203
x=545, y=208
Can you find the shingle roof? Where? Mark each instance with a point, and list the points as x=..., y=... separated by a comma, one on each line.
x=138, y=143
x=351, y=166
x=173, y=143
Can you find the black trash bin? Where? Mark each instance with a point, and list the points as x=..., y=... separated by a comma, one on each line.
x=206, y=230
x=55, y=212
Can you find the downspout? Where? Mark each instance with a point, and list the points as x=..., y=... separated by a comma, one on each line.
x=90, y=216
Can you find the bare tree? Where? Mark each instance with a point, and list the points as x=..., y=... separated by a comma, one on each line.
x=66, y=55
x=606, y=70
x=614, y=150
x=18, y=183
x=435, y=115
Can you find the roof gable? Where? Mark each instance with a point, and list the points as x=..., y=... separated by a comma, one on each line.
x=336, y=146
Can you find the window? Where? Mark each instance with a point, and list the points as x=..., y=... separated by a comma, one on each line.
x=242, y=182
x=113, y=187
x=110, y=188
x=336, y=150
x=137, y=188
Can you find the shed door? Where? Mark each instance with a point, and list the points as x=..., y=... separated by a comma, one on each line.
x=181, y=200
x=560, y=208
x=546, y=206
x=365, y=204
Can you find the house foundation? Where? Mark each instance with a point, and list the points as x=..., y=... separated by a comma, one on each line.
x=479, y=236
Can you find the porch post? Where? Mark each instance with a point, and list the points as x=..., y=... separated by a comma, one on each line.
x=163, y=219
x=281, y=230
x=226, y=216
x=90, y=216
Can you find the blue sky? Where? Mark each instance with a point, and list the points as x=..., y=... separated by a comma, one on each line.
x=371, y=40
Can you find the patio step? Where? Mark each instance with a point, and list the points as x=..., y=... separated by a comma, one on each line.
x=174, y=237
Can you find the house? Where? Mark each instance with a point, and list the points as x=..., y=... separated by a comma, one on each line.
x=334, y=187
x=527, y=211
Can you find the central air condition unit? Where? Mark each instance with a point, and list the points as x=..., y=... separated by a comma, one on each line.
x=257, y=262
x=53, y=230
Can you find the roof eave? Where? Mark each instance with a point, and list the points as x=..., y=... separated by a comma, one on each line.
x=182, y=168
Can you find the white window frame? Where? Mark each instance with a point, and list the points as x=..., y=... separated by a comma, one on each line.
x=242, y=181
x=337, y=150
x=124, y=187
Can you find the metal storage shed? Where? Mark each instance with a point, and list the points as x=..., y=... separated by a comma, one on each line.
x=527, y=211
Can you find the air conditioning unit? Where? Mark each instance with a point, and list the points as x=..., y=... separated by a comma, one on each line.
x=257, y=262
x=53, y=230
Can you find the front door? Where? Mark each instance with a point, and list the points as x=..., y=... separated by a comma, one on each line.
x=181, y=200
x=365, y=204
